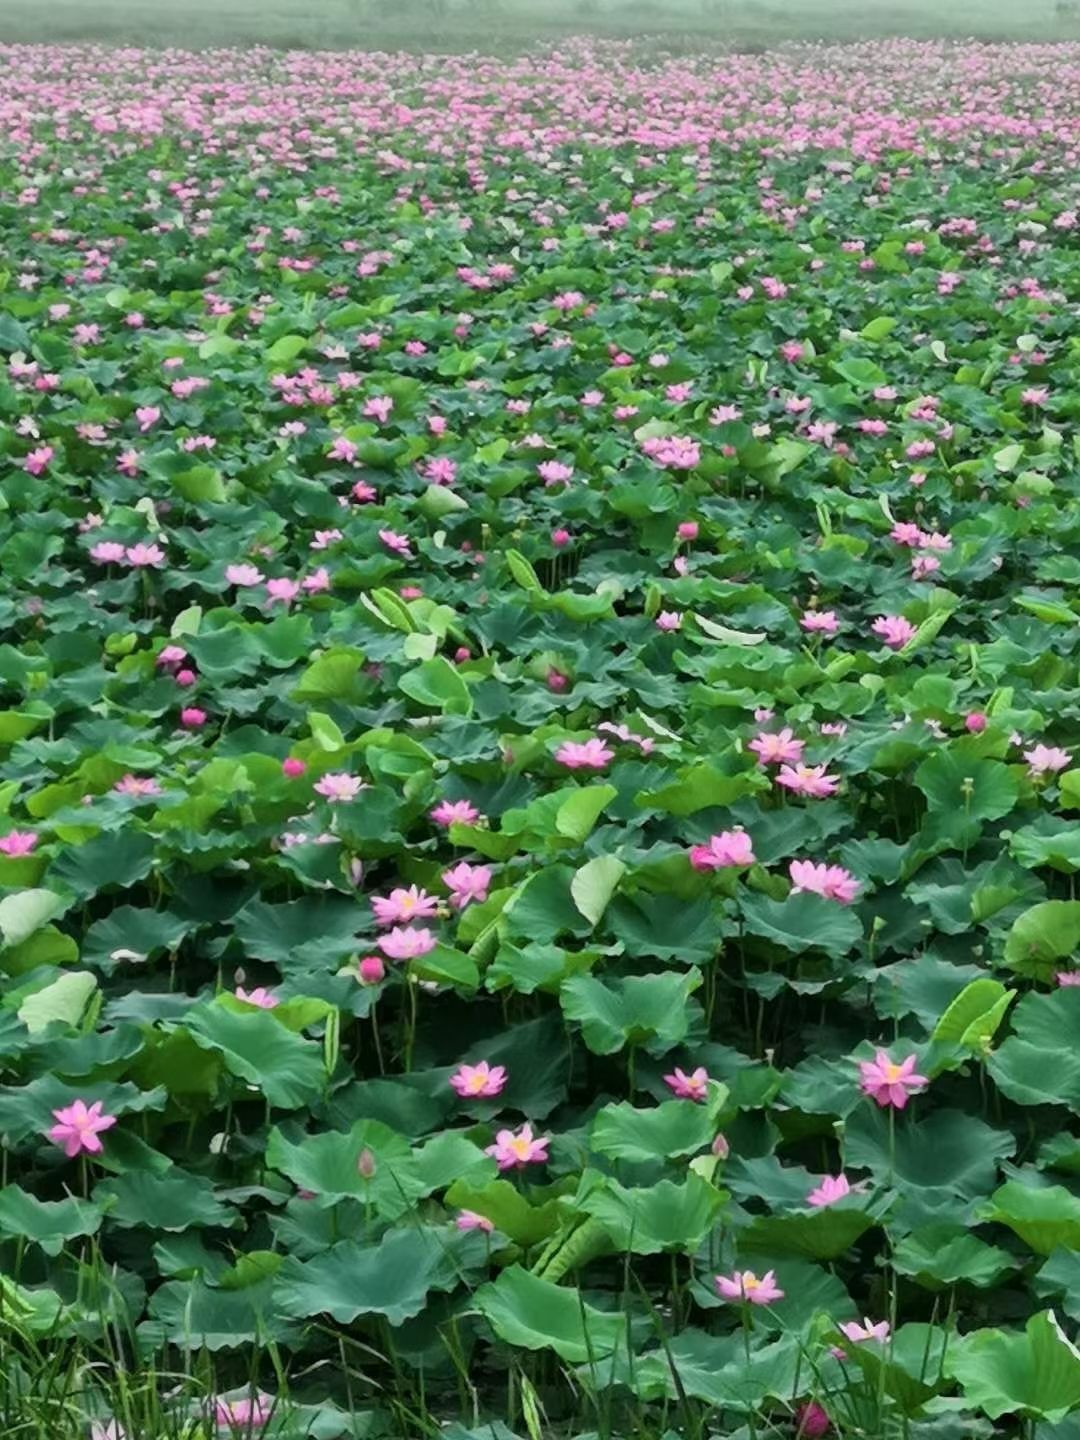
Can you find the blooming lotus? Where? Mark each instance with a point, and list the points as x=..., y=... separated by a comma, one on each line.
x=745, y=1285
x=243, y=1416
x=868, y=1330
x=812, y=780
x=139, y=785
x=831, y=881
x=410, y=904
x=775, y=749
x=729, y=848
x=470, y=1220
x=455, y=812
x=894, y=630
x=694, y=1086
x=145, y=557
x=1046, y=760
x=479, y=1081
x=591, y=755
x=514, y=1151
x=822, y=622
x=406, y=943
x=18, y=842
x=889, y=1083
x=261, y=997
x=467, y=883
x=243, y=574
x=831, y=1189
x=338, y=787
x=78, y=1126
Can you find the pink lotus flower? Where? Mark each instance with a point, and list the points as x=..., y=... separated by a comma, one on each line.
x=336, y=786
x=406, y=944
x=831, y=881
x=192, y=718
x=479, y=1081
x=552, y=472
x=107, y=552
x=729, y=848
x=689, y=1087
x=514, y=1152
x=775, y=749
x=1035, y=395
x=823, y=622
x=282, y=590
x=243, y=1416
x=137, y=785
x=145, y=557
x=807, y=780
x=904, y=532
x=470, y=1220
x=592, y=755
x=811, y=1421
x=410, y=904
x=852, y=1330
x=1068, y=977
x=1046, y=759
x=889, y=1083
x=455, y=812
x=243, y=575
x=78, y=1126
x=18, y=842
x=260, y=996
x=292, y=768
x=371, y=970
x=467, y=883
x=37, y=462
x=669, y=620
x=894, y=630
x=831, y=1189
x=745, y=1285
x=147, y=416
x=397, y=544
x=170, y=656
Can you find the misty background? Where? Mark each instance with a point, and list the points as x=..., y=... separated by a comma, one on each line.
x=488, y=24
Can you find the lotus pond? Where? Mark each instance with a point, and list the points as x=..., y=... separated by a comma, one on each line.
x=538, y=801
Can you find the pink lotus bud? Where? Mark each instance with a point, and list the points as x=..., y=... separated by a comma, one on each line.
x=688, y=530
x=356, y=871
x=462, y=653
x=185, y=678
x=560, y=538
x=372, y=969
x=556, y=682
x=191, y=718
x=365, y=1164
x=812, y=1421
x=292, y=767
x=976, y=722
x=720, y=1147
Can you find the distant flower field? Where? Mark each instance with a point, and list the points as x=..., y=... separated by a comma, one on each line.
x=538, y=752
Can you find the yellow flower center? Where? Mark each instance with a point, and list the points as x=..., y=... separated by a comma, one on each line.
x=892, y=1072
x=476, y=1082
x=750, y=1281
x=520, y=1147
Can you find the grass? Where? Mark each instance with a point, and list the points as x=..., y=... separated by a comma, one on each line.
x=494, y=24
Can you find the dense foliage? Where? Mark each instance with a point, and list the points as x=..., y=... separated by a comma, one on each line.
x=539, y=666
